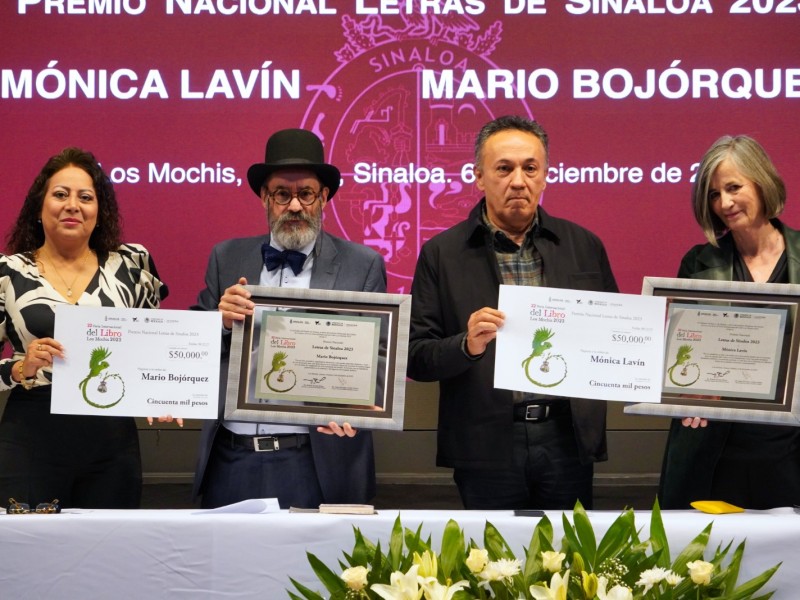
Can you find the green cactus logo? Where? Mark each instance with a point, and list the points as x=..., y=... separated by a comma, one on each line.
x=549, y=369
x=111, y=386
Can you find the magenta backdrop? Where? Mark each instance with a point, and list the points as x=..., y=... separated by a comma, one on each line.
x=369, y=76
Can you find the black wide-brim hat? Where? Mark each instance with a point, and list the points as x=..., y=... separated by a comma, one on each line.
x=294, y=148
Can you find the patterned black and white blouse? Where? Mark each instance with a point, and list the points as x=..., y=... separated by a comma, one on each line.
x=127, y=278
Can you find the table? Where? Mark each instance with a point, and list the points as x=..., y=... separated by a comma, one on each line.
x=188, y=554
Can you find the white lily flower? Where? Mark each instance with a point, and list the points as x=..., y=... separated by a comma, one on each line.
x=428, y=563
x=402, y=586
x=557, y=590
x=436, y=591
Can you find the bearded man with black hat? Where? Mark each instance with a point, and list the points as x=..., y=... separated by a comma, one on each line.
x=301, y=467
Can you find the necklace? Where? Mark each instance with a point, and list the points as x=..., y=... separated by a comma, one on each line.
x=74, y=279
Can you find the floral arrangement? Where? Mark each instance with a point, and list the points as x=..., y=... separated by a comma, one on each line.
x=621, y=567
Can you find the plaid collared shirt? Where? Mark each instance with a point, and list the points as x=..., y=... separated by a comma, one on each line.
x=519, y=265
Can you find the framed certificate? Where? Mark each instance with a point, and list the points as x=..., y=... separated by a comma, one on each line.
x=309, y=356
x=731, y=351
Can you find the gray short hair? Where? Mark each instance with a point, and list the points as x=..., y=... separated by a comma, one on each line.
x=750, y=158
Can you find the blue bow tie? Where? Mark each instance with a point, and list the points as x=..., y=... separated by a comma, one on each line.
x=274, y=258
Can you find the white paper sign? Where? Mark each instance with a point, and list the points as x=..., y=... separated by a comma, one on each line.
x=581, y=344
x=137, y=362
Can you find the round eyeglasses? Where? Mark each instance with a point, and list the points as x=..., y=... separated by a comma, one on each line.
x=306, y=196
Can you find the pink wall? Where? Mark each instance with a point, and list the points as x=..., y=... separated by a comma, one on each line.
x=361, y=68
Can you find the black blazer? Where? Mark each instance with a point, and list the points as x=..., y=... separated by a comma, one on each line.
x=457, y=274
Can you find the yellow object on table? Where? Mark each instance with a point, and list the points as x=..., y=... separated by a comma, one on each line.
x=716, y=507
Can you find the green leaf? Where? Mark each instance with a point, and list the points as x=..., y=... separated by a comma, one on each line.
x=380, y=570
x=585, y=533
x=396, y=545
x=693, y=551
x=573, y=544
x=361, y=554
x=766, y=596
x=730, y=575
x=541, y=541
x=546, y=528
x=331, y=581
x=452, y=549
x=752, y=586
x=616, y=539
x=495, y=544
x=308, y=594
x=414, y=542
x=658, y=536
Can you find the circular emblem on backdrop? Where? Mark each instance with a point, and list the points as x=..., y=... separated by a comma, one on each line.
x=405, y=160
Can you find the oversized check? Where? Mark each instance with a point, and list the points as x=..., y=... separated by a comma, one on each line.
x=137, y=362
x=581, y=344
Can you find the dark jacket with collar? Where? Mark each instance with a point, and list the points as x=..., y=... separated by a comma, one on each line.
x=457, y=274
x=705, y=261
x=345, y=466
x=691, y=455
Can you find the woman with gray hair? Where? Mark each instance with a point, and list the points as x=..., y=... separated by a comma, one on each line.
x=736, y=198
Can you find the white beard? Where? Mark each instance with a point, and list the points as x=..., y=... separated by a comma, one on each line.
x=295, y=238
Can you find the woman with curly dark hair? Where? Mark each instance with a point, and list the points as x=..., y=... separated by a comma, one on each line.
x=65, y=248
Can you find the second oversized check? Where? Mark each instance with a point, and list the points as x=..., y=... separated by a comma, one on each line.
x=581, y=344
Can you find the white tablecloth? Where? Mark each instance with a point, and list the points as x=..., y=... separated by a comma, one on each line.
x=185, y=554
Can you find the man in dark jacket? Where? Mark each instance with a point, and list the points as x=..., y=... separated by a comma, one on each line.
x=301, y=467
x=508, y=449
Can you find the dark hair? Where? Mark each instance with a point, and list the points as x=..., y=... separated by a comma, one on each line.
x=27, y=233
x=510, y=122
x=752, y=161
